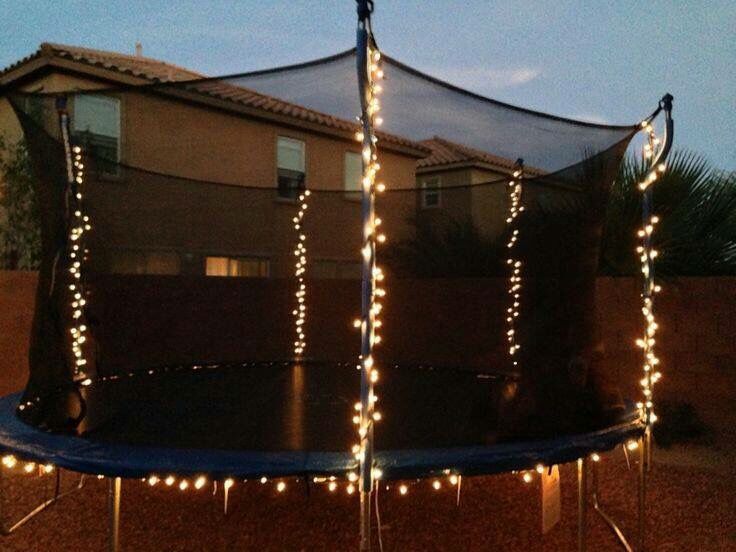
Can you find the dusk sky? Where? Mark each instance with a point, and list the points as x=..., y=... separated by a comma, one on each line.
x=593, y=60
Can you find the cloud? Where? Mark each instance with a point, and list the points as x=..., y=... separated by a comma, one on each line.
x=480, y=78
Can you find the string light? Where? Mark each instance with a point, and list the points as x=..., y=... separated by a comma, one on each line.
x=300, y=267
x=515, y=188
x=647, y=254
x=77, y=253
x=366, y=416
x=9, y=461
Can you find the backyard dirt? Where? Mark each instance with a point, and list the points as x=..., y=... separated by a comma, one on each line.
x=690, y=509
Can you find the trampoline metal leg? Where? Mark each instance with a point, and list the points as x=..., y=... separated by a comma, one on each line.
x=113, y=503
x=365, y=520
x=598, y=507
x=8, y=528
x=582, y=503
x=643, y=468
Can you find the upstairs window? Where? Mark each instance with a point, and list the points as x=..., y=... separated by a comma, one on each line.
x=353, y=175
x=244, y=267
x=96, y=126
x=290, y=165
x=431, y=192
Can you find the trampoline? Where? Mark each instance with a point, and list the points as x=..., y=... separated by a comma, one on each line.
x=190, y=323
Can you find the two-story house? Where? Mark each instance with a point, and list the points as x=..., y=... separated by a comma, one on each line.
x=234, y=161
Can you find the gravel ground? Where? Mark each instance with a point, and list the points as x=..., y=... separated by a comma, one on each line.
x=690, y=508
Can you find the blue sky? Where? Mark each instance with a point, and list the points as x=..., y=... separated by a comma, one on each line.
x=595, y=60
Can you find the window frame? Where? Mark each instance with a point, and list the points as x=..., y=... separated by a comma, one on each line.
x=302, y=146
x=426, y=190
x=350, y=194
x=77, y=132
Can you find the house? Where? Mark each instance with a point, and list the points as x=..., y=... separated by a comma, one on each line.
x=449, y=181
x=225, y=149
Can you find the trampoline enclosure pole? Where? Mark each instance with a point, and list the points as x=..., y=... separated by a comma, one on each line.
x=368, y=252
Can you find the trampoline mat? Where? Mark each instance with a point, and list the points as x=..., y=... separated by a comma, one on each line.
x=288, y=418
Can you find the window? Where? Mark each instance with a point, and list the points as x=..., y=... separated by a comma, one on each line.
x=353, y=175
x=290, y=167
x=431, y=189
x=145, y=262
x=35, y=107
x=96, y=126
x=244, y=267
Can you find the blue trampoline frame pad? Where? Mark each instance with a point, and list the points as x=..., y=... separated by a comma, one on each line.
x=84, y=455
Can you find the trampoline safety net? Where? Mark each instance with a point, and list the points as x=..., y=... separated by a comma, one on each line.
x=208, y=299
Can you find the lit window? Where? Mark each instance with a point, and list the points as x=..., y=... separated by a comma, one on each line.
x=290, y=167
x=96, y=126
x=243, y=267
x=145, y=262
x=353, y=175
x=431, y=190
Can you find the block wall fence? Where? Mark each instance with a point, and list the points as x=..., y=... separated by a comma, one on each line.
x=696, y=340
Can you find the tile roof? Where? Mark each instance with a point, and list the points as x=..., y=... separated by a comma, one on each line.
x=446, y=153
x=137, y=66
x=157, y=71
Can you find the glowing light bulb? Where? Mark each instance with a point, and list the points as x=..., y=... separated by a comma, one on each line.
x=9, y=461
x=403, y=489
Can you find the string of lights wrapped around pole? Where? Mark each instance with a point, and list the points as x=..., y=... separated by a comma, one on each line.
x=655, y=154
x=79, y=225
x=369, y=72
x=300, y=252
x=515, y=208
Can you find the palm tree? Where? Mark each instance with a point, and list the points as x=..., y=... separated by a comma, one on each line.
x=696, y=204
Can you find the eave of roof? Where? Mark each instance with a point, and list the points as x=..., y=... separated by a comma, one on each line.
x=447, y=155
